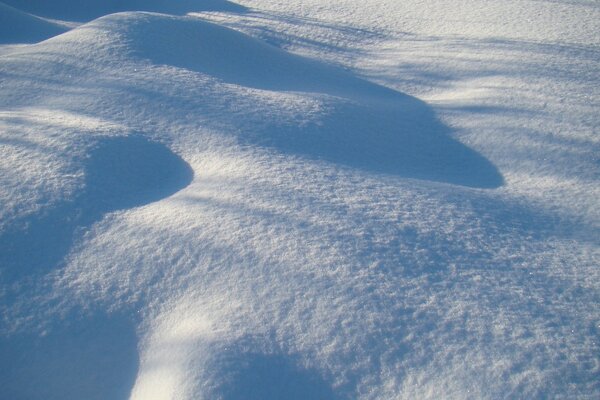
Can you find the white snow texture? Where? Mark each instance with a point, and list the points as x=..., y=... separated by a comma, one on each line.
x=346, y=199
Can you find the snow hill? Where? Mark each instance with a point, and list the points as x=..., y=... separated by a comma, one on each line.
x=264, y=200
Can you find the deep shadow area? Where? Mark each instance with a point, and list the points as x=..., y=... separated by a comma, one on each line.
x=21, y=27
x=87, y=10
x=366, y=126
x=270, y=377
x=130, y=171
x=120, y=173
x=92, y=357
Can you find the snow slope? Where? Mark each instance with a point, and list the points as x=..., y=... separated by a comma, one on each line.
x=306, y=200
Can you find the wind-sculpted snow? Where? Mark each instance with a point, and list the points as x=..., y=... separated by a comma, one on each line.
x=188, y=212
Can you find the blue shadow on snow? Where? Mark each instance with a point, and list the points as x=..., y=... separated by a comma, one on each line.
x=120, y=173
x=92, y=358
x=270, y=377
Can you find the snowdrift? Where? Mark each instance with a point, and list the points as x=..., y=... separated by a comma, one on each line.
x=189, y=212
x=369, y=126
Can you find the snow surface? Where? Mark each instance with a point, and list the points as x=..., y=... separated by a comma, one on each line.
x=304, y=200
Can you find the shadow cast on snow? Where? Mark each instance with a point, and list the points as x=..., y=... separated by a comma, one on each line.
x=120, y=173
x=255, y=376
x=82, y=358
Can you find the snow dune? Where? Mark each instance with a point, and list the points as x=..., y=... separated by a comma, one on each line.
x=190, y=212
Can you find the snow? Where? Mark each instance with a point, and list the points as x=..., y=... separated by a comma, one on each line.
x=329, y=200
